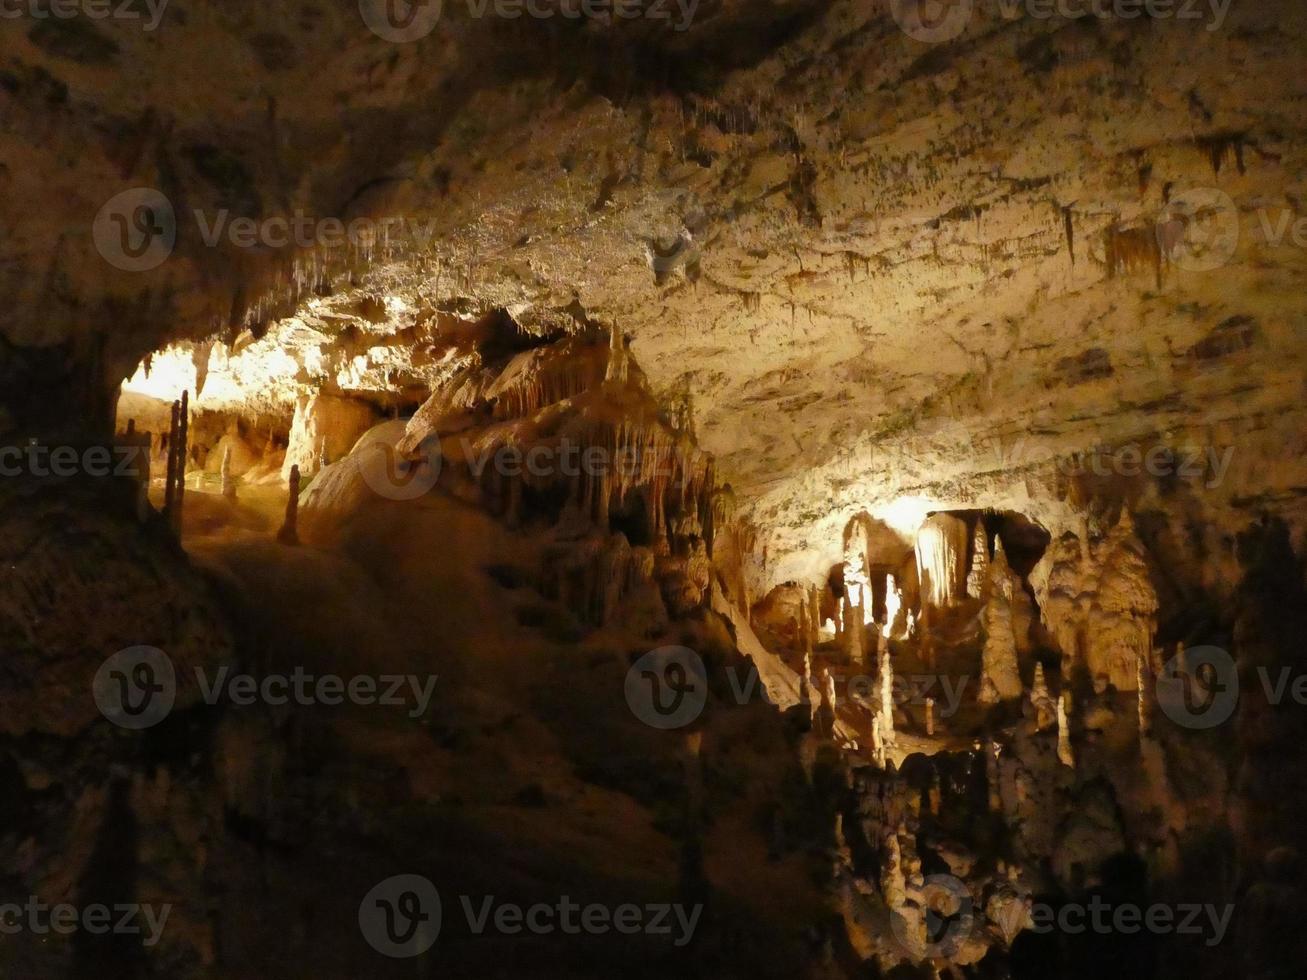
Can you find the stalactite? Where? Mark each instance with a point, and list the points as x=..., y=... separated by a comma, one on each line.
x=1133, y=250
x=618, y=369
x=1069, y=227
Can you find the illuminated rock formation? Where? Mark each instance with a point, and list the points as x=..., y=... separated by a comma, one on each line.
x=324, y=428
x=941, y=557
x=893, y=606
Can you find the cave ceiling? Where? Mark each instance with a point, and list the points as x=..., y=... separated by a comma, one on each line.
x=885, y=270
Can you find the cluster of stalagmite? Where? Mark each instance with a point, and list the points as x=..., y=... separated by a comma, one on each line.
x=1100, y=604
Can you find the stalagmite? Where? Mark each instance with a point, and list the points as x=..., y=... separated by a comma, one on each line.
x=288, y=533
x=999, y=658
x=930, y=716
x=1064, y=753
x=175, y=481
x=893, y=884
x=853, y=632
x=138, y=444
x=1123, y=619
x=228, y=481
x=1042, y=702
x=814, y=617
x=995, y=790
x=941, y=553
x=1144, y=685
x=886, y=708
x=977, y=577
x=170, y=471
x=828, y=713
x=893, y=603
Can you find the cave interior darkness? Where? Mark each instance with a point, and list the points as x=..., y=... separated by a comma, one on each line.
x=731, y=488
